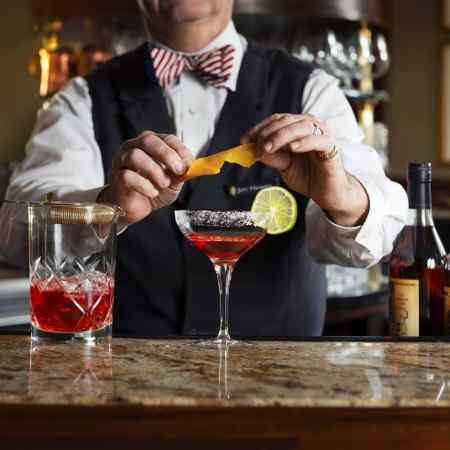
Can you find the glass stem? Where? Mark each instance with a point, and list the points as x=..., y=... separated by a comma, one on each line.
x=223, y=371
x=224, y=273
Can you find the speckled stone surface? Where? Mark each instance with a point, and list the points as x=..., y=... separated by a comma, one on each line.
x=182, y=373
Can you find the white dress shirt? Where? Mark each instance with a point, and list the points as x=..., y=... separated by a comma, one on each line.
x=63, y=156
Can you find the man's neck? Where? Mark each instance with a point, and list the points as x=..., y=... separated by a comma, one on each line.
x=190, y=37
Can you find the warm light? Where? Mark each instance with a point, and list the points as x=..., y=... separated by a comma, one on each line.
x=366, y=114
x=366, y=117
x=365, y=43
x=44, y=57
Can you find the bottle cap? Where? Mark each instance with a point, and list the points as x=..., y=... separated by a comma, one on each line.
x=419, y=172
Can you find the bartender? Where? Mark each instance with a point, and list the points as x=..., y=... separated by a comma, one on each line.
x=128, y=132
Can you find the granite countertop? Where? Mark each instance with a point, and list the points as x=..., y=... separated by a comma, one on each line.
x=154, y=373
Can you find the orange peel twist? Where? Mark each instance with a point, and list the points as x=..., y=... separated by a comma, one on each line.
x=244, y=155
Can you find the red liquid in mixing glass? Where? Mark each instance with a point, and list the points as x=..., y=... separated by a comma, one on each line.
x=225, y=246
x=57, y=309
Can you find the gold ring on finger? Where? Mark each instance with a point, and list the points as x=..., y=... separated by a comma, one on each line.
x=330, y=154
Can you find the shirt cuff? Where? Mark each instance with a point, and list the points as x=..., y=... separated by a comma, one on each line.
x=363, y=234
x=370, y=233
x=333, y=229
x=366, y=235
x=362, y=241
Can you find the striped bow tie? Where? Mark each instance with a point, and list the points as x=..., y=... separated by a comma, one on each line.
x=214, y=67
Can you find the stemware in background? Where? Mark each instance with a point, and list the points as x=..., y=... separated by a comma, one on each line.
x=382, y=56
x=375, y=52
x=344, y=54
x=223, y=236
x=325, y=50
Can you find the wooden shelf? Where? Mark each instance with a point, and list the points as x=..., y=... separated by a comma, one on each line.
x=372, y=11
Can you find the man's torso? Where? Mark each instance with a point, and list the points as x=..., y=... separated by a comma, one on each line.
x=164, y=286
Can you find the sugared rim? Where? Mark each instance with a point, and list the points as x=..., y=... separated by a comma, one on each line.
x=222, y=218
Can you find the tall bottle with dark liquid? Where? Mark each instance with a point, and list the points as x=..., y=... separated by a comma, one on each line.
x=417, y=269
x=446, y=302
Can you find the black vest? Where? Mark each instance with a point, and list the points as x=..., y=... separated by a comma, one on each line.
x=164, y=286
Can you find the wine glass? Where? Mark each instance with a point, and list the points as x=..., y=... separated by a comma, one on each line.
x=344, y=55
x=223, y=236
x=375, y=53
x=381, y=54
x=324, y=50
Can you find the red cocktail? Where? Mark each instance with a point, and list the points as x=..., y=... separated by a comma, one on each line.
x=72, y=304
x=225, y=247
x=72, y=263
x=223, y=236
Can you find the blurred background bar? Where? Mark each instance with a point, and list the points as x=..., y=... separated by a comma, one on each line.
x=372, y=11
x=44, y=10
x=391, y=57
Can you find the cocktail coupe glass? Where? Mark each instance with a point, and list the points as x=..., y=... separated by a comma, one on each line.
x=223, y=236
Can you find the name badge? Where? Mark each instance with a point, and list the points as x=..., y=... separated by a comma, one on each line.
x=236, y=190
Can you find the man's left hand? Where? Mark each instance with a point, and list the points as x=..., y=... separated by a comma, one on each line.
x=299, y=146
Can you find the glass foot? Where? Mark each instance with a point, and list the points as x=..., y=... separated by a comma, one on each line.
x=88, y=337
x=216, y=343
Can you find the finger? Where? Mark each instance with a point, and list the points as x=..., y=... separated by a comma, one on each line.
x=130, y=181
x=174, y=142
x=276, y=125
x=312, y=143
x=135, y=142
x=129, y=145
x=163, y=154
x=252, y=133
x=322, y=125
x=283, y=136
x=178, y=181
x=279, y=161
x=171, y=140
x=313, y=118
x=140, y=162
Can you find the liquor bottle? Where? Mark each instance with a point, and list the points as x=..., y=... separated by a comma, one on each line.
x=446, y=301
x=417, y=265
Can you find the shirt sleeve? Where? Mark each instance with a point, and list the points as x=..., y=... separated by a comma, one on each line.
x=352, y=246
x=62, y=156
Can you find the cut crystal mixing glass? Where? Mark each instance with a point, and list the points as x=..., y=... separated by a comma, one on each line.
x=72, y=257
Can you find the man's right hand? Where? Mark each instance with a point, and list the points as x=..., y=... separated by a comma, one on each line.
x=147, y=174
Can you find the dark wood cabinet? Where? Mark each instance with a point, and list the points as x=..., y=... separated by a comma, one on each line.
x=372, y=11
x=45, y=10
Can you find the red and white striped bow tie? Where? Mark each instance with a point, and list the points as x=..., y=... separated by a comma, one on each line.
x=214, y=67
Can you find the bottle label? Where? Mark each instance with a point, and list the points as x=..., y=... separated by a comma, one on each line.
x=447, y=311
x=405, y=307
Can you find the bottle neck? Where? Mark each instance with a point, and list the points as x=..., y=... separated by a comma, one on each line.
x=420, y=217
x=420, y=210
